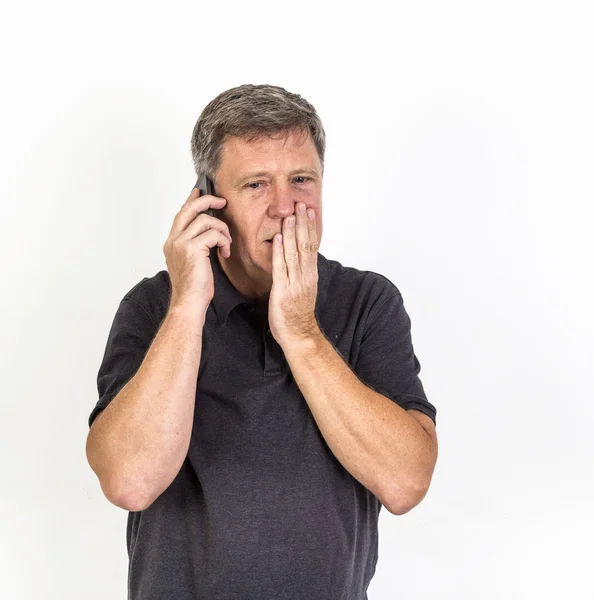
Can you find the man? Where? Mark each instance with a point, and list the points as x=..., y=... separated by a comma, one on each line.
x=258, y=403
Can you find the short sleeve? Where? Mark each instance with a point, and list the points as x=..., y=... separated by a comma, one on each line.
x=129, y=339
x=386, y=361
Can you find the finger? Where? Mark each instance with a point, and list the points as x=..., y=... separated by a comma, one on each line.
x=195, y=193
x=290, y=248
x=214, y=238
x=191, y=209
x=302, y=237
x=313, y=235
x=202, y=223
x=279, y=269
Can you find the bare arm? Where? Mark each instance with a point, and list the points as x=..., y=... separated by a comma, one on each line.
x=138, y=443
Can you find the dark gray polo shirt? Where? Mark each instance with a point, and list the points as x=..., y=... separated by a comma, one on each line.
x=261, y=509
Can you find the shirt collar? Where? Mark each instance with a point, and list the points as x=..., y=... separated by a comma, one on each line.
x=226, y=297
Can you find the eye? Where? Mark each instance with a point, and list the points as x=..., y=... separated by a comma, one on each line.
x=255, y=183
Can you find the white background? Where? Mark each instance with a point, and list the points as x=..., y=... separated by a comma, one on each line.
x=459, y=165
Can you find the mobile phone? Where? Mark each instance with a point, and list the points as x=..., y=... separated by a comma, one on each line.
x=206, y=186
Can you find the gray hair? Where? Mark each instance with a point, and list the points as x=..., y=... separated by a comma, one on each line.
x=251, y=112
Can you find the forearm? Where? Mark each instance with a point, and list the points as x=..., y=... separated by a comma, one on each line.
x=139, y=441
x=376, y=440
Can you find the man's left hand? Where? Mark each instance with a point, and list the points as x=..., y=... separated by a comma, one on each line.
x=292, y=303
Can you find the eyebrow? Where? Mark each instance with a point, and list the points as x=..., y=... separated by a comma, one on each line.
x=244, y=178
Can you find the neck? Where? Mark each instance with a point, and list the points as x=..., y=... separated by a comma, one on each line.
x=247, y=287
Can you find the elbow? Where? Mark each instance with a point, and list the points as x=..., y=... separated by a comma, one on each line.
x=402, y=496
x=124, y=500
x=123, y=496
x=118, y=494
x=401, y=501
x=130, y=504
x=129, y=492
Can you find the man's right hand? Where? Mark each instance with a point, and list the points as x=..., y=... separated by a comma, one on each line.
x=187, y=249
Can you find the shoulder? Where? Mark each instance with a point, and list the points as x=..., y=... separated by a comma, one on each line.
x=151, y=294
x=347, y=283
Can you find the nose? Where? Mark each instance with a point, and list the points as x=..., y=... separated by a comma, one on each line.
x=282, y=202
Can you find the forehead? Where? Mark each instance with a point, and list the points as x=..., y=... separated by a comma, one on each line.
x=273, y=149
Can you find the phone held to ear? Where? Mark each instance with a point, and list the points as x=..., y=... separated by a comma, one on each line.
x=206, y=186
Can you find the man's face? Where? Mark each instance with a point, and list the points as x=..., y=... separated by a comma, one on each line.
x=263, y=181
